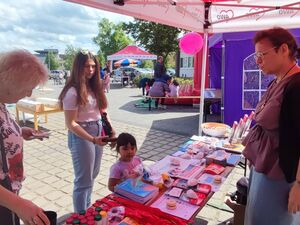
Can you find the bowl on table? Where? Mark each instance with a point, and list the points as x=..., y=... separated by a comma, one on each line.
x=215, y=129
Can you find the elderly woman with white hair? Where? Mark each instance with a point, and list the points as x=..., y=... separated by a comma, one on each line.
x=20, y=72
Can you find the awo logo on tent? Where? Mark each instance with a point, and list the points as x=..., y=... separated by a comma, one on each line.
x=225, y=14
x=290, y=12
x=257, y=15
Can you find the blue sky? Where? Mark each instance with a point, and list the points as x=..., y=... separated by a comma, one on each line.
x=40, y=24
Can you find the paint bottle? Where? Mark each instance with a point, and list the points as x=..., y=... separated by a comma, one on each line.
x=104, y=217
x=91, y=222
x=98, y=209
x=82, y=221
x=90, y=210
x=76, y=222
x=90, y=218
x=82, y=212
x=75, y=215
x=69, y=221
x=98, y=219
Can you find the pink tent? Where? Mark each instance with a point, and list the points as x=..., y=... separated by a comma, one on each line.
x=132, y=52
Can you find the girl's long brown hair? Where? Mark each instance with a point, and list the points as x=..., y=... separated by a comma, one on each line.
x=78, y=81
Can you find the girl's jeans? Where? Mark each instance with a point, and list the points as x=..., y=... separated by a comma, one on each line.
x=86, y=159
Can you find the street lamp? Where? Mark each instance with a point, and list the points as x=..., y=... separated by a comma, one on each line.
x=49, y=49
x=49, y=59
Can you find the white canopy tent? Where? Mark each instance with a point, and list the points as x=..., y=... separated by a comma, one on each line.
x=207, y=16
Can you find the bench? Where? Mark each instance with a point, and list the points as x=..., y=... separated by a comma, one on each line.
x=36, y=107
x=178, y=97
x=211, y=96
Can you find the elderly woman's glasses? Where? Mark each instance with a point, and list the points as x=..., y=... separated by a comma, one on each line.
x=260, y=55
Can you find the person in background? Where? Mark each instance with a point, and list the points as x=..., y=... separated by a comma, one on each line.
x=160, y=88
x=125, y=78
x=148, y=86
x=61, y=77
x=159, y=68
x=83, y=99
x=174, y=89
x=20, y=73
x=65, y=75
x=102, y=74
x=143, y=82
x=272, y=145
x=106, y=81
x=129, y=165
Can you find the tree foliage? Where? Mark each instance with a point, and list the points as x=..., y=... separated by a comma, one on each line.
x=147, y=64
x=171, y=60
x=157, y=38
x=70, y=53
x=52, y=61
x=111, y=38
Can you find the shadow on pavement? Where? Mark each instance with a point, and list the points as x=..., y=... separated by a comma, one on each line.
x=29, y=123
x=143, y=108
x=116, y=86
x=184, y=125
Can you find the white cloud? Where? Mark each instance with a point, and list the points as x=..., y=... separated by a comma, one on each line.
x=40, y=24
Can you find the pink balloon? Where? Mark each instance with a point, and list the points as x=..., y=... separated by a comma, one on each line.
x=191, y=43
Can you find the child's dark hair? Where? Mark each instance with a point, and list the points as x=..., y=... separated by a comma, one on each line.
x=151, y=82
x=175, y=83
x=124, y=139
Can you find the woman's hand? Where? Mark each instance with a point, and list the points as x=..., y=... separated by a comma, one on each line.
x=294, y=198
x=27, y=132
x=99, y=140
x=30, y=213
x=30, y=133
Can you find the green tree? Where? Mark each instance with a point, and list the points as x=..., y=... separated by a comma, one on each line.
x=147, y=64
x=171, y=60
x=52, y=61
x=70, y=53
x=102, y=60
x=111, y=38
x=157, y=38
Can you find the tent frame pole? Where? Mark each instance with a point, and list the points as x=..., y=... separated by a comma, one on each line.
x=203, y=74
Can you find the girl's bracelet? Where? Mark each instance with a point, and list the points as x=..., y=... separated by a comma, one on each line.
x=94, y=140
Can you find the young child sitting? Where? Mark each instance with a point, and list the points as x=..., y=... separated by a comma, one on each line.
x=174, y=88
x=129, y=165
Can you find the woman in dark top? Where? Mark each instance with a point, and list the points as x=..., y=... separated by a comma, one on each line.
x=274, y=192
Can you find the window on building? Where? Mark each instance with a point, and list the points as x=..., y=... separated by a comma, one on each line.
x=254, y=84
x=190, y=62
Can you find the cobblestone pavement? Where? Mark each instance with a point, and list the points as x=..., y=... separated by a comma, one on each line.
x=49, y=171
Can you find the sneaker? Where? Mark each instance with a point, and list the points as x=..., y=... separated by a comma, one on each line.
x=162, y=106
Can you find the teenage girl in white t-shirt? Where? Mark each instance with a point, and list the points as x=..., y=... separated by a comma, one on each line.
x=82, y=99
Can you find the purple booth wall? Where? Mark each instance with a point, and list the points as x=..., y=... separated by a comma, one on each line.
x=235, y=53
x=238, y=46
x=215, y=69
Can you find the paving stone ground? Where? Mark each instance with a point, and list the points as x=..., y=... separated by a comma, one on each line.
x=49, y=171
